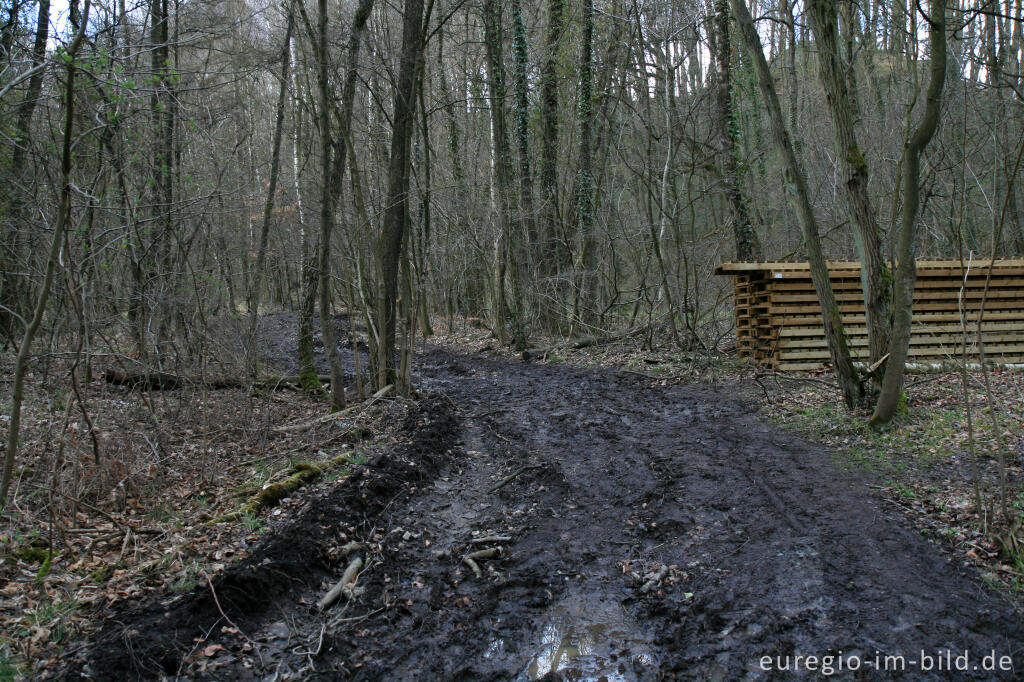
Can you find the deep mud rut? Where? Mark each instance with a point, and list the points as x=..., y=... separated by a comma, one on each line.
x=771, y=551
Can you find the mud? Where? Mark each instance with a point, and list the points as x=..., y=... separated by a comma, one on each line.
x=768, y=549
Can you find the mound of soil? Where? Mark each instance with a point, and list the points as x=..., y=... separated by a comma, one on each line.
x=154, y=639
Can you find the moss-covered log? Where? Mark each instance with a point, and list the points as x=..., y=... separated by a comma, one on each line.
x=303, y=474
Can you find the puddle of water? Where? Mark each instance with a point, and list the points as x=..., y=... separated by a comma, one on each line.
x=588, y=647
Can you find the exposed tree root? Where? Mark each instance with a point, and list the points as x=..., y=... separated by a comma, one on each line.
x=343, y=586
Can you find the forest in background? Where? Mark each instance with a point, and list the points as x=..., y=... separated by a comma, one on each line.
x=565, y=168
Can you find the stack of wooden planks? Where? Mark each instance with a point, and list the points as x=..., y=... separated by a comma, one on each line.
x=778, y=319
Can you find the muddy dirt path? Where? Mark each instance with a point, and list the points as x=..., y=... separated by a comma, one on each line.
x=751, y=543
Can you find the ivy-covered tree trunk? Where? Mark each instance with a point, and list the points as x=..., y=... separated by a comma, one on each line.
x=748, y=246
x=493, y=39
x=553, y=249
x=527, y=252
x=584, y=308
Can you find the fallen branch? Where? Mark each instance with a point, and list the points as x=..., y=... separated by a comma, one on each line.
x=508, y=479
x=584, y=342
x=655, y=579
x=490, y=538
x=164, y=381
x=472, y=559
x=269, y=496
x=343, y=585
x=305, y=426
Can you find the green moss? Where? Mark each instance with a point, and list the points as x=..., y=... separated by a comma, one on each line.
x=269, y=496
x=308, y=380
x=901, y=404
x=32, y=554
x=44, y=568
x=102, y=574
x=856, y=159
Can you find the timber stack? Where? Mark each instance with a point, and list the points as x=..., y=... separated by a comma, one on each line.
x=779, y=325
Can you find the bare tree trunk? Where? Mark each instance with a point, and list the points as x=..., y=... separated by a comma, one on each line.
x=59, y=230
x=875, y=276
x=268, y=205
x=14, y=287
x=906, y=272
x=835, y=334
x=396, y=210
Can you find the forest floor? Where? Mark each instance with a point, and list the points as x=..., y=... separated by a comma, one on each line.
x=646, y=521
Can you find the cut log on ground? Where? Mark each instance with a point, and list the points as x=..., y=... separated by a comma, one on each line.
x=164, y=381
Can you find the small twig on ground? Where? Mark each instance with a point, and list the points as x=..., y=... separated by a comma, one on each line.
x=361, y=407
x=655, y=579
x=472, y=558
x=490, y=538
x=216, y=601
x=927, y=380
x=356, y=619
x=511, y=477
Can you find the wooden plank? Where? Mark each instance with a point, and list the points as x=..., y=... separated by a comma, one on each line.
x=923, y=296
x=806, y=286
x=919, y=318
x=922, y=264
x=918, y=328
x=951, y=340
x=914, y=352
x=944, y=306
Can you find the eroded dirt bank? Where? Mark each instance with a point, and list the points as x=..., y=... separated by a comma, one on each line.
x=750, y=544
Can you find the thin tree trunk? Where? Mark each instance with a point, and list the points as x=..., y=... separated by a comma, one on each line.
x=59, y=230
x=835, y=334
x=906, y=272
x=396, y=210
x=875, y=276
x=14, y=287
x=268, y=205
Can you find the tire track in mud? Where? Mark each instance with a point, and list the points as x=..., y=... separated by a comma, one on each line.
x=772, y=550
